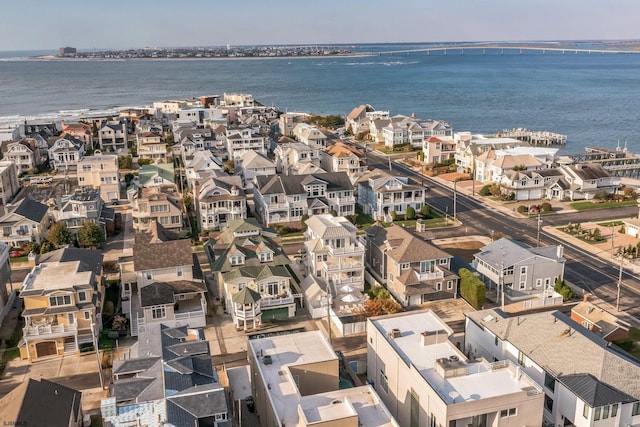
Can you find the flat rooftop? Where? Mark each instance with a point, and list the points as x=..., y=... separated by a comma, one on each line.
x=362, y=402
x=288, y=350
x=473, y=380
x=56, y=275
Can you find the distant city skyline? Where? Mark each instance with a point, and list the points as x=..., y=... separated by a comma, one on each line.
x=48, y=25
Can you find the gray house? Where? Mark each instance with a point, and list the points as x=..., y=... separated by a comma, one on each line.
x=525, y=272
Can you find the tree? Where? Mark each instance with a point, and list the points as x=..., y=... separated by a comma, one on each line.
x=485, y=190
x=124, y=162
x=425, y=211
x=59, y=234
x=472, y=289
x=411, y=213
x=629, y=193
x=564, y=290
x=142, y=162
x=303, y=222
x=394, y=215
x=90, y=235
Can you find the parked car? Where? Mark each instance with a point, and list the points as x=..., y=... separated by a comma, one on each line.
x=251, y=405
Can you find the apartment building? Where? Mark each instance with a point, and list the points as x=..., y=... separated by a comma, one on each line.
x=296, y=383
x=425, y=380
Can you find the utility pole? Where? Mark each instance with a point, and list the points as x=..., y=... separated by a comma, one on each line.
x=502, y=284
x=619, y=281
x=389, y=157
x=539, y=222
x=613, y=231
x=328, y=295
x=455, y=199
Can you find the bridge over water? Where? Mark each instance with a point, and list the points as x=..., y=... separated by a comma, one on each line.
x=460, y=49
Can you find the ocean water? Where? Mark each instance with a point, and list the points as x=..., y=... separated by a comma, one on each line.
x=592, y=98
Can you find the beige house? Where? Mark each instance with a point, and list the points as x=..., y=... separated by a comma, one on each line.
x=100, y=171
x=425, y=380
x=62, y=304
x=438, y=149
x=295, y=382
x=82, y=131
x=9, y=185
x=160, y=203
x=414, y=270
x=151, y=145
x=27, y=221
x=340, y=157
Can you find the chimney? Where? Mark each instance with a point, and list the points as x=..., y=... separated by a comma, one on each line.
x=560, y=251
x=585, y=297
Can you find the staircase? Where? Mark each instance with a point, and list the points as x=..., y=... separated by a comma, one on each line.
x=70, y=348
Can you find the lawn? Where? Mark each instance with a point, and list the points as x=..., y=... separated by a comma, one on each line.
x=587, y=205
x=19, y=259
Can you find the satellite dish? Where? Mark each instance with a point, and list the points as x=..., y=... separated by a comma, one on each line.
x=453, y=395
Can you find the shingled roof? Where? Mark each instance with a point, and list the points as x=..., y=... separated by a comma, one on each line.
x=32, y=210
x=153, y=256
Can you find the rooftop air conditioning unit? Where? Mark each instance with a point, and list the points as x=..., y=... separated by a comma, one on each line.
x=267, y=360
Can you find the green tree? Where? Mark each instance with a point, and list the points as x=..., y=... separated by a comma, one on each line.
x=425, y=211
x=303, y=222
x=90, y=235
x=394, y=215
x=564, y=290
x=124, y=162
x=485, y=190
x=411, y=213
x=59, y=234
x=142, y=162
x=472, y=289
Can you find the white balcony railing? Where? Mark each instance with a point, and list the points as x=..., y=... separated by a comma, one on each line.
x=341, y=266
x=43, y=330
x=276, y=301
x=430, y=276
x=243, y=314
x=351, y=249
x=193, y=314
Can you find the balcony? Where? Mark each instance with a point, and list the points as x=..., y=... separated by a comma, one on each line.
x=276, y=206
x=247, y=313
x=345, y=200
x=137, y=213
x=430, y=276
x=276, y=301
x=334, y=266
x=49, y=330
x=354, y=249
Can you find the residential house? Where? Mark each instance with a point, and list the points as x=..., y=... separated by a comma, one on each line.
x=287, y=121
x=171, y=107
x=100, y=171
x=65, y=153
x=152, y=146
x=409, y=130
x=202, y=166
x=168, y=286
x=81, y=131
x=424, y=379
x=492, y=165
x=85, y=205
x=25, y=222
x=518, y=272
x=469, y=147
x=531, y=184
x=285, y=199
x=62, y=303
x=376, y=127
x=156, y=175
x=26, y=153
x=160, y=203
x=381, y=193
x=252, y=164
x=296, y=383
x=357, y=120
x=291, y=156
x=5, y=279
x=238, y=99
x=40, y=402
x=172, y=384
x=341, y=157
x=415, y=271
x=311, y=136
x=251, y=273
x=113, y=136
x=240, y=140
x=220, y=200
x=585, y=380
x=583, y=182
x=599, y=321
x=438, y=150
x=9, y=185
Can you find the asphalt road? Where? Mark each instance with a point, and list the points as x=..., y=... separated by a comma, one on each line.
x=586, y=271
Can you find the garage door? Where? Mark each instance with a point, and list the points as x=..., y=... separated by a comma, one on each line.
x=47, y=348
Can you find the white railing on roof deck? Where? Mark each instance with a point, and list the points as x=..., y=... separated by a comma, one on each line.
x=41, y=330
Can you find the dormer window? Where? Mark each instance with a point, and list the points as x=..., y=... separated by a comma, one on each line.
x=236, y=260
x=265, y=256
x=59, y=300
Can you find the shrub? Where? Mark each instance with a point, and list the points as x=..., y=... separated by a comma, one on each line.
x=333, y=212
x=142, y=162
x=522, y=209
x=425, y=210
x=485, y=190
x=394, y=215
x=108, y=308
x=564, y=290
x=303, y=222
x=472, y=289
x=546, y=207
x=411, y=213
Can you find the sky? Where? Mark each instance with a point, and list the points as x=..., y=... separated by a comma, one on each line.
x=116, y=24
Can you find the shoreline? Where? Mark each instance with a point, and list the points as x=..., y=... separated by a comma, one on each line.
x=217, y=58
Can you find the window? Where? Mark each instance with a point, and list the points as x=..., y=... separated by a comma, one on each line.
x=523, y=270
x=549, y=382
x=265, y=256
x=179, y=272
x=236, y=260
x=432, y=420
x=596, y=415
x=383, y=382
x=585, y=411
x=439, y=286
x=614, y=410
x=443, y=261
x=87, y=315
x=82, y=296
x=272, y=288
x=405, y=266
x=636, y=409
x=149, y=275
x=158, y=312
x=60, y=300
x=495, y=340
x=449, y=284
x=548, y=403
x=605, y=412
x=521, y=358
x=511, y=412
